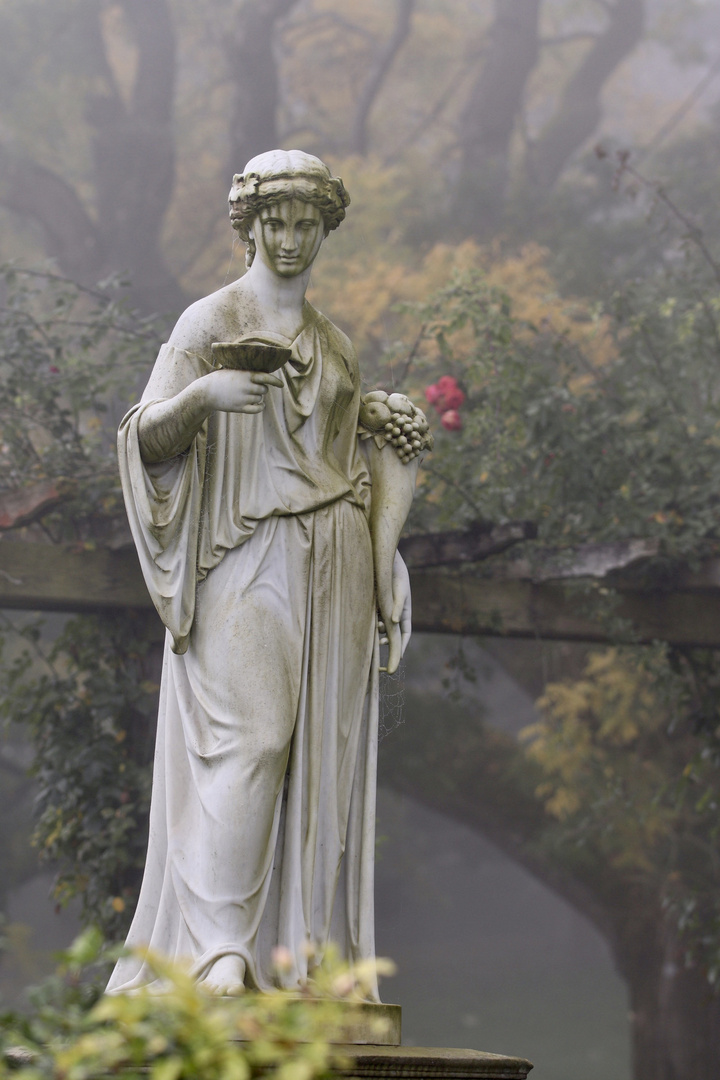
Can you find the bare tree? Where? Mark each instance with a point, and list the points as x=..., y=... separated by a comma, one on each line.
x=379, y=69
x=249, y=46
x=495, y=104
x=133, y=164
x=488, y=119
x=580, y=109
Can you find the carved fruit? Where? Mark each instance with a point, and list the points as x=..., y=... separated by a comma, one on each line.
x=376, y=395
x=398, y=403
x=374, y=415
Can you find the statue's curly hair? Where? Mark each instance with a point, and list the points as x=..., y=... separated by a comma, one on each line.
x=284, y=174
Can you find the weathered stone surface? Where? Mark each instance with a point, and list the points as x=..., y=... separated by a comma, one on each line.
x=44, y=577
x=433, y=1063
x=364, y=1023
x=267, y=536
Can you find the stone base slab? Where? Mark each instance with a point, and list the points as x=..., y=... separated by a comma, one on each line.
x=366, y=1023
x=361, y=1023
x=431, y=1063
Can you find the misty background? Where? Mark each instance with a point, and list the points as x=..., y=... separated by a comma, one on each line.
x=468, y=133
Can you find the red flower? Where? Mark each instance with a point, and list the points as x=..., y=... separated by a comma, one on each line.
x=54, y=370
x=445, y=394
x=451, y=420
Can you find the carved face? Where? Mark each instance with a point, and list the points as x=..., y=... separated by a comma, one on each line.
x=288, y=236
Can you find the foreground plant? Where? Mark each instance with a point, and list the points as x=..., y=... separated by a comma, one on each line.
x=73, y=1033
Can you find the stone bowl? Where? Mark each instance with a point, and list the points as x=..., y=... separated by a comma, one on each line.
x=252, y=353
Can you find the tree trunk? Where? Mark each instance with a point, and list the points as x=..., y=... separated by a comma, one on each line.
x=252, y=64
x=133, y=155
x=134, y=159
x=359, y=142
x=488, y=119
x=580, y=108
x=674, y=1014
x=482, y=779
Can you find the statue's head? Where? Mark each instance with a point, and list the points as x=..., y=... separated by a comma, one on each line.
x=284, y=174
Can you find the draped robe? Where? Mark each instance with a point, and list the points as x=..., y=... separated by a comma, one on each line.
x=256, y=550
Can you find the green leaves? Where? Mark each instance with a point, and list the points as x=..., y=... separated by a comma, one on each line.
x=68, y=358
x=599, y=447
x=90, y=705
x=185, y=1031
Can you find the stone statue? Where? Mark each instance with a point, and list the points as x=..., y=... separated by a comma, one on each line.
x=266, y=509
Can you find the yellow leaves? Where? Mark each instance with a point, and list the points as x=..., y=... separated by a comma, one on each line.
x=364, y=273
x=167, y=1068
x=528, y=282
x=189, y=1031
x=562, y=803
x=589, y=743
x=581, y=384
x=665, y=517
x=631, y=417
x=54, y=833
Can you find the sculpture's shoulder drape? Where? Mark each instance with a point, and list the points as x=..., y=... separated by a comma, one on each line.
x=185, y=513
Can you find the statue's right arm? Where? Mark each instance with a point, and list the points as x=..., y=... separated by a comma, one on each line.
x=167, y=428
x=180, y=402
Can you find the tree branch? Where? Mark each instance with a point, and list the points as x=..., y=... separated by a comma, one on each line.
x=563, y=39
x=580, y=111
x=331, y=18
x=487, y=121
x=378, y=73
x=134, y=157
x=694, y=233
x=252, y=64
x=18, y=508
x=453, y=87
x=154, y=90
x=466, y=545
x=680, y=112
x=33, y=191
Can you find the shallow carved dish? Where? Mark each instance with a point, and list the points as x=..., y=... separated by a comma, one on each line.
x=254, y=352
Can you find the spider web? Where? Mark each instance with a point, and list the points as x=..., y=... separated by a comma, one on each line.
x=392, y=696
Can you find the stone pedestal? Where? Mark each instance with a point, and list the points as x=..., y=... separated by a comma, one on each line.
x=370, y=1034
x=389, y=1060
x=431, y=1063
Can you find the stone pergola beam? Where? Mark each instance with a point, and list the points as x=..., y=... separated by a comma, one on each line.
x=507, y=600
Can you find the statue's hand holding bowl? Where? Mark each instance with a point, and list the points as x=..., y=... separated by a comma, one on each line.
x=238, y=391
x=245, y=371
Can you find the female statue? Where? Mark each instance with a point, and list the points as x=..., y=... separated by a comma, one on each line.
x=267, y=533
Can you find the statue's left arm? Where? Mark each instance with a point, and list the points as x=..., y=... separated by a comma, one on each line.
x=394, y=435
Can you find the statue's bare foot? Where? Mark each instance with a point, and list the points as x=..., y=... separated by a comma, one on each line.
x=226, y=976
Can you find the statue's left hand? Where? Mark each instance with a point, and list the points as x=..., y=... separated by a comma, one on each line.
x=398, y=626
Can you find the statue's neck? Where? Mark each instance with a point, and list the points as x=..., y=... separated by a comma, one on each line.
x=279, y=299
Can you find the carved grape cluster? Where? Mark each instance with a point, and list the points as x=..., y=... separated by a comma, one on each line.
x=392, y=418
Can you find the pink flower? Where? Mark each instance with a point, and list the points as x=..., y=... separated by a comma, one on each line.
x=54, y=370
x=451, y=420
x=445, y=394
x=282, y=959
